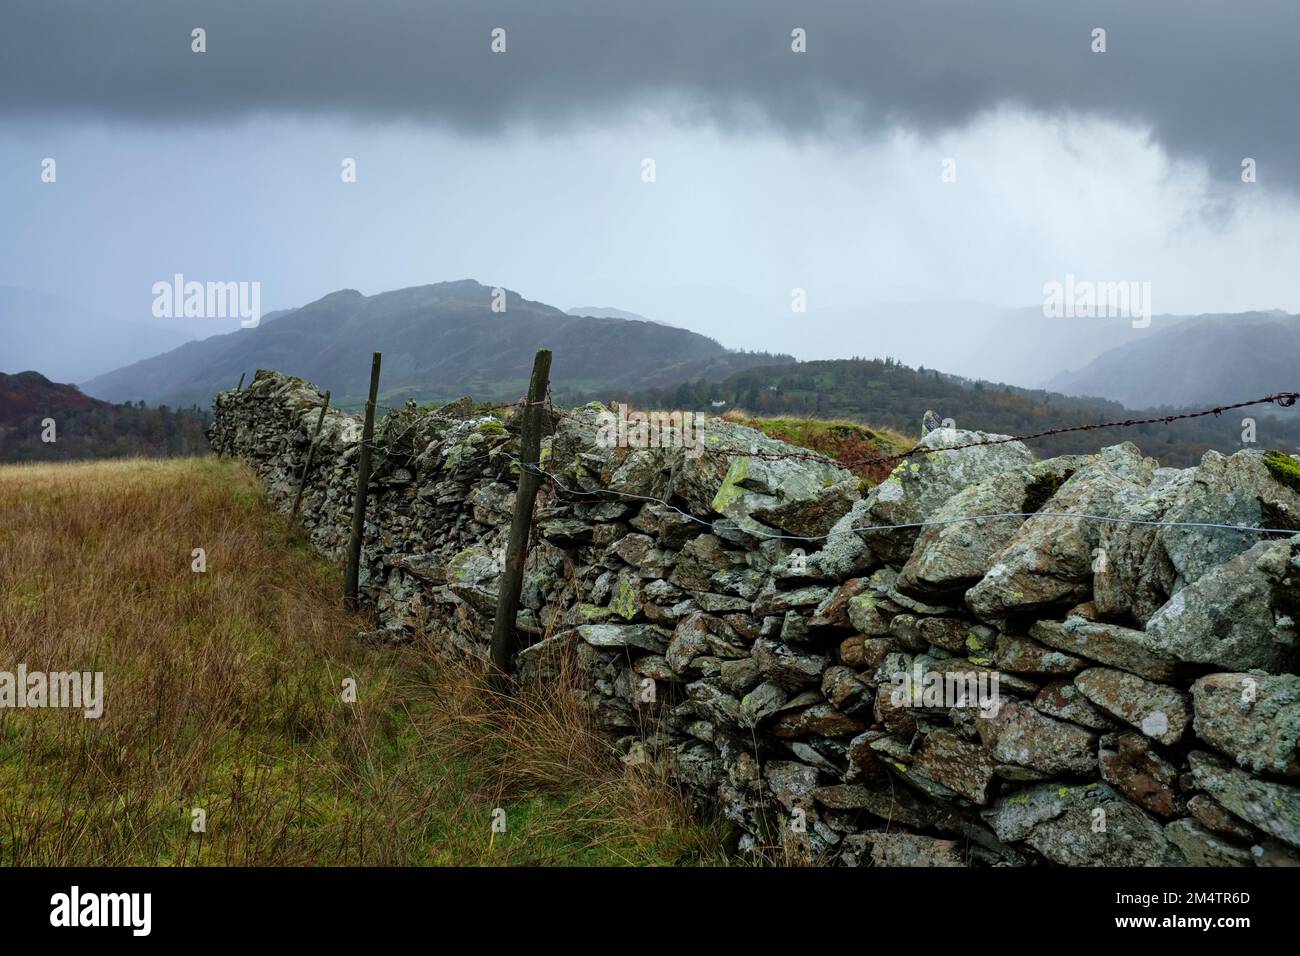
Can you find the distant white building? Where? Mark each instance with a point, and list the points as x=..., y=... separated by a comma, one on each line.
x=718, y=404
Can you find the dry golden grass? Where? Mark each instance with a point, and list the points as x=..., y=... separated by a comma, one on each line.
x=224, y=692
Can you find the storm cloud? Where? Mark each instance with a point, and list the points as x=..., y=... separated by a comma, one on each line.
x=1211, y=81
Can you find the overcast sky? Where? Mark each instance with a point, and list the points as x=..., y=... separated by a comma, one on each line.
x=774, y=169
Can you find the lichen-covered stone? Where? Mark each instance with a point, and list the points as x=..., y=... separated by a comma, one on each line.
x=1019, y=734
x=866, y=613
x=1159, y=711
x=1131, y=766
x=954, y=553
x=847, y=691
x=1049, y=560
x=1109, y=644
x=1235, y=616
x=1253, y=718
x=787, y=666
x=1272, y=807
x=1211, y=815
x=1062, y=699
x=906, y=849
x=1024, y=655
x=1088, y=825
x=920, y=485
x=958, y=764
x=698, y=635
x=761, y=702
x=821, y=720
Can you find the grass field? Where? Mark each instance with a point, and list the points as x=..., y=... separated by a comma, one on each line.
x=224, y=692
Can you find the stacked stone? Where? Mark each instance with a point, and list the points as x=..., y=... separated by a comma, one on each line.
x=730, y=615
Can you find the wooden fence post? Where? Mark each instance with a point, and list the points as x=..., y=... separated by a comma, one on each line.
x=363, y=483
x=311, y=453
x=240, y=386
x=504, y=640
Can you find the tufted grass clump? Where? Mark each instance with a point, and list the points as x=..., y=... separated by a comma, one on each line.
x=1041, y=488
x=835, y=438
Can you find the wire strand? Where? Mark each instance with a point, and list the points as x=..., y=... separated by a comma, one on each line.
x=1027, y=515
x=1283, y=399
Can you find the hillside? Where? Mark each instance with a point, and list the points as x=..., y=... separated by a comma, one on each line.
x=1219, y=358
x=885, y=393
x=439, y=342
x=86, y=427
x=29, y=394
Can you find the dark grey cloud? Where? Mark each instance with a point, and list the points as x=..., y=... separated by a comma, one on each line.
x=1213, y=79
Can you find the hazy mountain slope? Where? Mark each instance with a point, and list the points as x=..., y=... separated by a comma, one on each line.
x=1210, y=360
x=1020, y=346
x=439, y=341
x=70, y=343
x=609, y=312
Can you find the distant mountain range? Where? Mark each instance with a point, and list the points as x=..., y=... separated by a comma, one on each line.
x=439, y=342
x=444, y=340
x=70, y=342
x=34, y=409
x=1178, y=360
x=1206, y=360
x=1020, y=346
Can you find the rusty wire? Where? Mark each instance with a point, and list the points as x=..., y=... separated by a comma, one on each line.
x=1284, y=399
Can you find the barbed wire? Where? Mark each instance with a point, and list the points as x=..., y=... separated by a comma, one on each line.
x=483, y=406
x=1283, y=399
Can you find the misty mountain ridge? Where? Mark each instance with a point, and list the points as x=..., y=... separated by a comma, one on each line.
x=1206, y=360
x=444, y=340
x=1178, y=360
x=439, y=341
x=609, y=312
x=1016, y=345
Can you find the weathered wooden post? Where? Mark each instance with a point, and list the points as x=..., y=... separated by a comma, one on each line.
x=311, y=453
x=363, y=483
x=504, y=641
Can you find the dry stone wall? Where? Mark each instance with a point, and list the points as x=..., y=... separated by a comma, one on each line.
x=856, y=673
